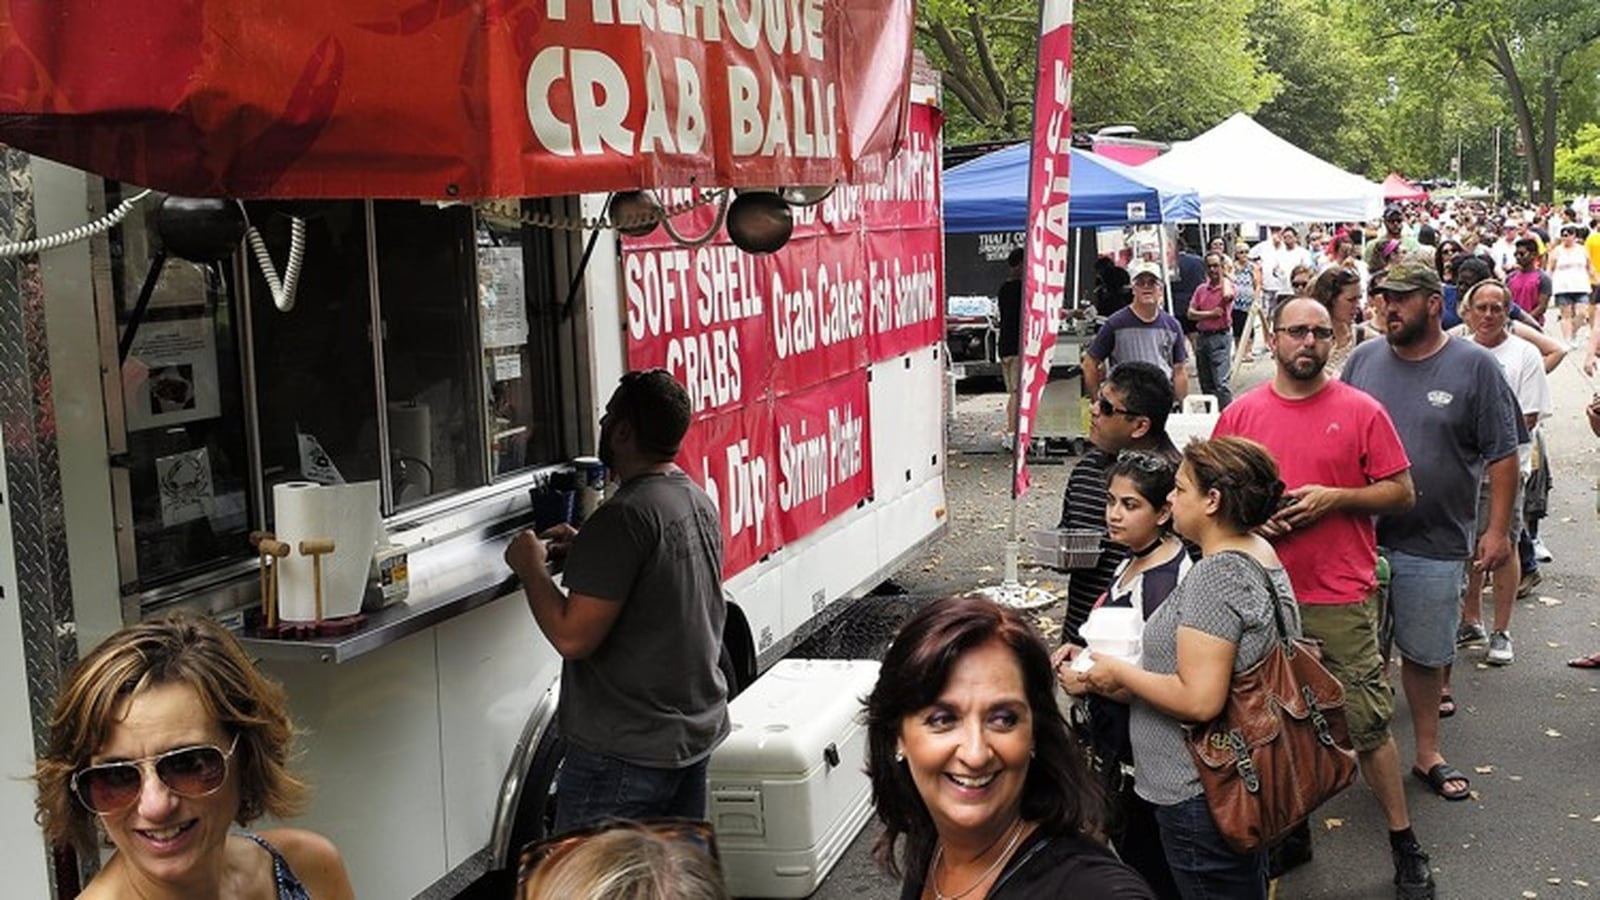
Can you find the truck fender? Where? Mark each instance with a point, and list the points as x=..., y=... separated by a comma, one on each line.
x=523, y=805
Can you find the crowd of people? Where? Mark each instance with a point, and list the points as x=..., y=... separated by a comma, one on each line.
x=1402, y=424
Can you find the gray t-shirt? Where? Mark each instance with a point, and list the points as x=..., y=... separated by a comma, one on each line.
x=1223, y=595
x=651, y=694
x=1455, y=413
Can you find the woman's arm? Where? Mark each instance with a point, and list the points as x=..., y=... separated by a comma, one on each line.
x=1195, y=693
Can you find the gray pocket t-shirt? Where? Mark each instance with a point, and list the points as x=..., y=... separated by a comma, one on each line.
x=1455, y=414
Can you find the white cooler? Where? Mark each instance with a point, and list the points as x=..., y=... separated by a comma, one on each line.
x=788, y=790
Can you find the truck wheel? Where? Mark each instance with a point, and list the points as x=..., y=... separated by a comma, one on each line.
x=738, y=660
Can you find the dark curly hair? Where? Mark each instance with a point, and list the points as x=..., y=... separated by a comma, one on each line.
x=180, y=649
x=1244, y=475
x=1058, y=793
x=657, y=407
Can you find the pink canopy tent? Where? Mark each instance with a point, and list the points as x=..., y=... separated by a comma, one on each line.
x=1397, y=188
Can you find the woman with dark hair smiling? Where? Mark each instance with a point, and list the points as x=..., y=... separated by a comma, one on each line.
x=1218, y=622
x=981, y=790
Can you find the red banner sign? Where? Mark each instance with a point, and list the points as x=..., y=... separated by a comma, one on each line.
x=824, y=454
x=1044, y=278
x=456, y=98
x=775, y=349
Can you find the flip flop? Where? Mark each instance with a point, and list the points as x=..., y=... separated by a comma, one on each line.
x=1440, y=775
x=1585, y=662
x=1447, y=706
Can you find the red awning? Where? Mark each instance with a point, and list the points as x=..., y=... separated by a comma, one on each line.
x=1397, y=188
x=456, y=98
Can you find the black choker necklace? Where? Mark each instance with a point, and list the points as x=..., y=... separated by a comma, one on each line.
x=1141, y=554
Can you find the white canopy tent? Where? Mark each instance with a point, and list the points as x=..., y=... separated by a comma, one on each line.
x=1245, y=173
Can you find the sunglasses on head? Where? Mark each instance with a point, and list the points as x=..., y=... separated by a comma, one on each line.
x=1144, y=461
x=553, y=849
x=191, y=772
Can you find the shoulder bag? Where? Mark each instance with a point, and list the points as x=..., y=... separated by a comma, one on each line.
x=1280, y=746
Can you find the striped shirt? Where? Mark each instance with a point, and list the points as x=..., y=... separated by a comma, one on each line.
x=1084, y=507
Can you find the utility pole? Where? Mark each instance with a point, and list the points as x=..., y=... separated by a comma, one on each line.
x=1495, y=191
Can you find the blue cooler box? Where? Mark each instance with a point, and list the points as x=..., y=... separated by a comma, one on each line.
x=788, y=789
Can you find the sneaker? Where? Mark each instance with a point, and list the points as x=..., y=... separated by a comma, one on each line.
x=1530, y=580
x=1413, y=879
x=1499, y=649
x=1541, y=552
x=1470, y=633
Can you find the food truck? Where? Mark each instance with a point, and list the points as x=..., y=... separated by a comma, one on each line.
x=428, y=334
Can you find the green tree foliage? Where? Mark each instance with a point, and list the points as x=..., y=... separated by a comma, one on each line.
x=1578, y=163
x=1173, y=69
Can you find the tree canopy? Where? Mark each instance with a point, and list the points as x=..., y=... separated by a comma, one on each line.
x=1404, y=85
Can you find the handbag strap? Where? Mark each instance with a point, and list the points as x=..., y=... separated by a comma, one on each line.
x=1272, y=589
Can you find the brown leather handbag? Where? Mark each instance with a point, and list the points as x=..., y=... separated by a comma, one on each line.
x=1280, y=746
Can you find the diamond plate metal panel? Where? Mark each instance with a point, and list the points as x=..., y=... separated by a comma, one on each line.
x=27, y=425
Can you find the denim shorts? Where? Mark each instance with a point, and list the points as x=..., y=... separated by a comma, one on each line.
x=1425, y=606
x=1571, y=299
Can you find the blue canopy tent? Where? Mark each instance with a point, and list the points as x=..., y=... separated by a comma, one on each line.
x=990, y=194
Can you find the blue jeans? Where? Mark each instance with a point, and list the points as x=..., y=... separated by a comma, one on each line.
x=1202, y=863
x=593, y=787
x=1213, y=357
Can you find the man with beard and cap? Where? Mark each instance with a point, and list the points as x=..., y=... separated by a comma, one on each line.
x=637, y=620
x=1342, y=463
x=1458, y=420
x=1390, y=243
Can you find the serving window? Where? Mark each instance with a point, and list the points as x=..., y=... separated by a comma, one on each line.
x=421, y=351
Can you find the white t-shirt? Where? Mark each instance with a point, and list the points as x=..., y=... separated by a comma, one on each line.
x=1569, y=269
x=1523, y=369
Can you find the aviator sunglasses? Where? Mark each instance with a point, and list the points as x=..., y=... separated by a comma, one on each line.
x=187, y=771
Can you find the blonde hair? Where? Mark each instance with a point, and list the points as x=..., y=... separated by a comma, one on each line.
x=627, y=863
x=180, y=649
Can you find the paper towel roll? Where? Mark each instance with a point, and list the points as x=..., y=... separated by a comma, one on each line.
x=411, y=430
x=346, y=514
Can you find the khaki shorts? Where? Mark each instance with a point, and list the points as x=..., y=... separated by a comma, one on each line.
x=1515, y=525
x=1349, y=636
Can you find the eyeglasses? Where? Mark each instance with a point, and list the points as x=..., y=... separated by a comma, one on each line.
x=187, y=771
x=1107, y=408
x=551, y=851
x=1299, y=285
x=1299, y=332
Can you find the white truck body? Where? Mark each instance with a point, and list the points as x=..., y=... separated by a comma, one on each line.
x=421, y=730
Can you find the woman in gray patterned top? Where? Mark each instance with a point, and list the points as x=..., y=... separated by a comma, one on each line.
x=1217, y=622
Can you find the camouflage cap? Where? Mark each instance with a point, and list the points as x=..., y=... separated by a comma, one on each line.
x=1405, y=277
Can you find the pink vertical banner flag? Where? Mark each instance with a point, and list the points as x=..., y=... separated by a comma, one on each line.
x=1044, y=278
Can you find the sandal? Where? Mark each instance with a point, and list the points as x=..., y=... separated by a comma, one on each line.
x=1442, y=774
x=1585, y=662
x=1447, y=706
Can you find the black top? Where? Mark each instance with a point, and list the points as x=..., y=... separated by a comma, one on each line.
x=1010, y=302
x=1049, y=867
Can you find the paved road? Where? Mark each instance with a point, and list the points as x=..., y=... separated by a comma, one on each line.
x=1527, y=734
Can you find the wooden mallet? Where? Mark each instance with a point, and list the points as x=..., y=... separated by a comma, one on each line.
x=271, y=550
x=316, y=548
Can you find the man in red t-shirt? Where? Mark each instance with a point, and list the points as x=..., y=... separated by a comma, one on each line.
x=1342, y=463
x=1211, y=311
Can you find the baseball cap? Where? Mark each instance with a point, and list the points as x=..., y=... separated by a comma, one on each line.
x=1393, y=210
x=1406, y=277
x=1143, y=267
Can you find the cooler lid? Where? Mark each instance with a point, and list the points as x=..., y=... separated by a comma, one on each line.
x=783, y=723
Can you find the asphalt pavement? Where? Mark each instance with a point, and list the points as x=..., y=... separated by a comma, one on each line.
x=1526, y=734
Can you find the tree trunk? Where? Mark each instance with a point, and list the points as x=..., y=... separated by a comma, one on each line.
x=1551, y=89
x=1500, y=60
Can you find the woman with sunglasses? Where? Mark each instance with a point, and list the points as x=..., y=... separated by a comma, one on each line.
x=161, y=739
x=1218, y=622
x=981, y=790
x=1139, y=517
